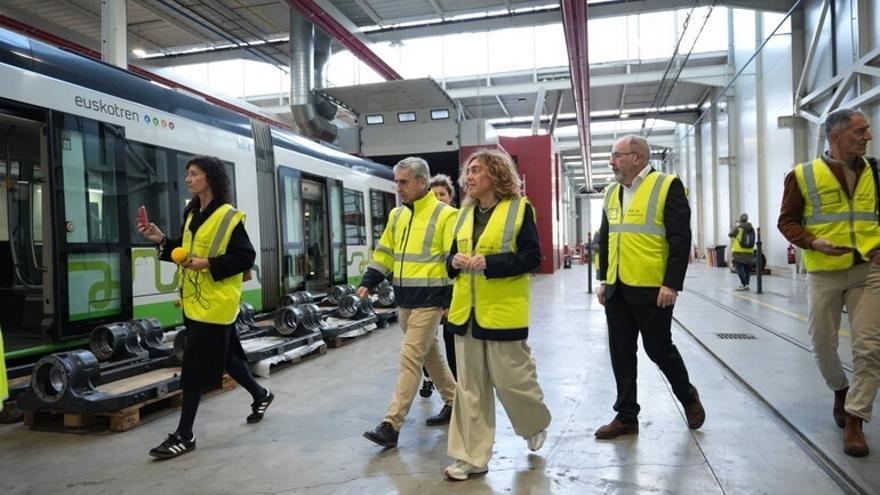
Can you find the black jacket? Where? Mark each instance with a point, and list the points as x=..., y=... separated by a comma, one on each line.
x=527, y=259
x=677, y=220
x=240, y=253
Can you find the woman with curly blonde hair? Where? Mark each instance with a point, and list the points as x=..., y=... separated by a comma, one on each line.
x=495, y=247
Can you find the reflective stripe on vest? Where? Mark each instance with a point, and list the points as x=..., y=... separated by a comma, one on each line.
x=415, y=253
x=498, y=304
x=638, y=235
x=829, y=213
x=203, y=298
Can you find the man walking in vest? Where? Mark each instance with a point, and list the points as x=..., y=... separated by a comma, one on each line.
x=644, y=244
x=413, y=248
x=743, y=250
x=829, y=209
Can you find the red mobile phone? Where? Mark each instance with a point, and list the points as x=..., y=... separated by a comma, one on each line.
x=142, y=216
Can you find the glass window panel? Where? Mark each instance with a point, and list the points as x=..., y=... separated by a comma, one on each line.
x=511, y=49
x=149, y=186
x=89, y=172
x=465, y=54
x=293, y=231
x=355, y=223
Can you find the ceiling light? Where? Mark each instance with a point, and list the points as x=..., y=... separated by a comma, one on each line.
x=139, y=53
x=624, y=115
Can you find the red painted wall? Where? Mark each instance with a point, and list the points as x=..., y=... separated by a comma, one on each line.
x=538, y=166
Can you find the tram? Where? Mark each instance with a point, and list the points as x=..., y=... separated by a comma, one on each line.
x=84, y=144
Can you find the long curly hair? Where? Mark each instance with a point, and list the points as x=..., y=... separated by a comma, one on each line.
x=500, y=167
x=217, y=177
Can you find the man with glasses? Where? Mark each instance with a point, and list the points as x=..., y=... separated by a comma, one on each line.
x=644, y=243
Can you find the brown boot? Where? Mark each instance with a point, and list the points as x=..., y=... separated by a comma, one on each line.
x=854, y=442
x=839, y=401
x=695, y=413
x=617, y=428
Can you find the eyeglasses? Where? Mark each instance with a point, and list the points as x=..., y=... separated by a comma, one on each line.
x=617, y=154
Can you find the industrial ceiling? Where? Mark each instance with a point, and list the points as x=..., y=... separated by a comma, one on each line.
x=175, y=32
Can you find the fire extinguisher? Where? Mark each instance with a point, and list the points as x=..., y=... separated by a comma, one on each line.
x=791, y=255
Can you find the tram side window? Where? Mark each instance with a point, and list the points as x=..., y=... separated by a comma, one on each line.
x=355, y=223
x=90, y=185
x=381, y=204
x=150, y=186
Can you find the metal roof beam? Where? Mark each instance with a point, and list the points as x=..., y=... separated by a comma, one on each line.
x=596, y=11
x=711, y=75
x=370, y=13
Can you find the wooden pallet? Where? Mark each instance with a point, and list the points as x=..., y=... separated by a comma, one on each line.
x=337, y=342
x=266, y=367
x=119, y=421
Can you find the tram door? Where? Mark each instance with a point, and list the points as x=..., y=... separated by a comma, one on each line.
x=91, y=236
x=23, y=206
x=312, y=232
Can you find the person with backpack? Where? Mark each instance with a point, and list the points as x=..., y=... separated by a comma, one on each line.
x=743, y=235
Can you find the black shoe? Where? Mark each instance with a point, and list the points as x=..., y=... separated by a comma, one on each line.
x=173, y=447
x=384, y=435
x=442, y=417
x=259, y=408
x=427, y=388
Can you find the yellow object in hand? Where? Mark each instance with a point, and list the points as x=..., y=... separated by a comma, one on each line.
x=180, y=256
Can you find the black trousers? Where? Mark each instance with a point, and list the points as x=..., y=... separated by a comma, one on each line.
x=625, y=321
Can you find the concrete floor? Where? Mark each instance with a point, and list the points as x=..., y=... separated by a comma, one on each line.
x=310, y=441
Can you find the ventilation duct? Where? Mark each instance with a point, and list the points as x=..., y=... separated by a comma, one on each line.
x=311, y=115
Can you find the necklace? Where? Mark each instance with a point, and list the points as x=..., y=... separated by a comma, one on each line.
x=486, y=210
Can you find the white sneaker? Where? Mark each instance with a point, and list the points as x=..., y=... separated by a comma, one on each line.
x=537, y=440
x=461, y=470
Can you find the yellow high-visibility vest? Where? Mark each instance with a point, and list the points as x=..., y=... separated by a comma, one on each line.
x=737, y=243
x=415, y=244
x=499, y=303
x=830, y=214
x=205, y=299
x=638, y=235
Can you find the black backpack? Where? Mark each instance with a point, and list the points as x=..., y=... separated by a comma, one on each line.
x=748, y=238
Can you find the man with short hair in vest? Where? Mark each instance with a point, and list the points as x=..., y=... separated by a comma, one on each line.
x=829, y=209
x=644, y=246
x=413, y=251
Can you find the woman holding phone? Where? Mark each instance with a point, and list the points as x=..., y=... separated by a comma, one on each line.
x=213, y=252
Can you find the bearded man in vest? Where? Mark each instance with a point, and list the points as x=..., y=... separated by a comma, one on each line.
x=413, y=250
x=644, y=244
x=829, y=209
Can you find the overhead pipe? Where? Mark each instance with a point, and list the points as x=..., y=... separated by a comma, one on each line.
x=320, y=18
x=52, y=39
x=302, y=64
x=574, y=22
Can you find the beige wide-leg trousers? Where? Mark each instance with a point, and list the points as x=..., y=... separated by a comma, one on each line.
x=487, y=367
